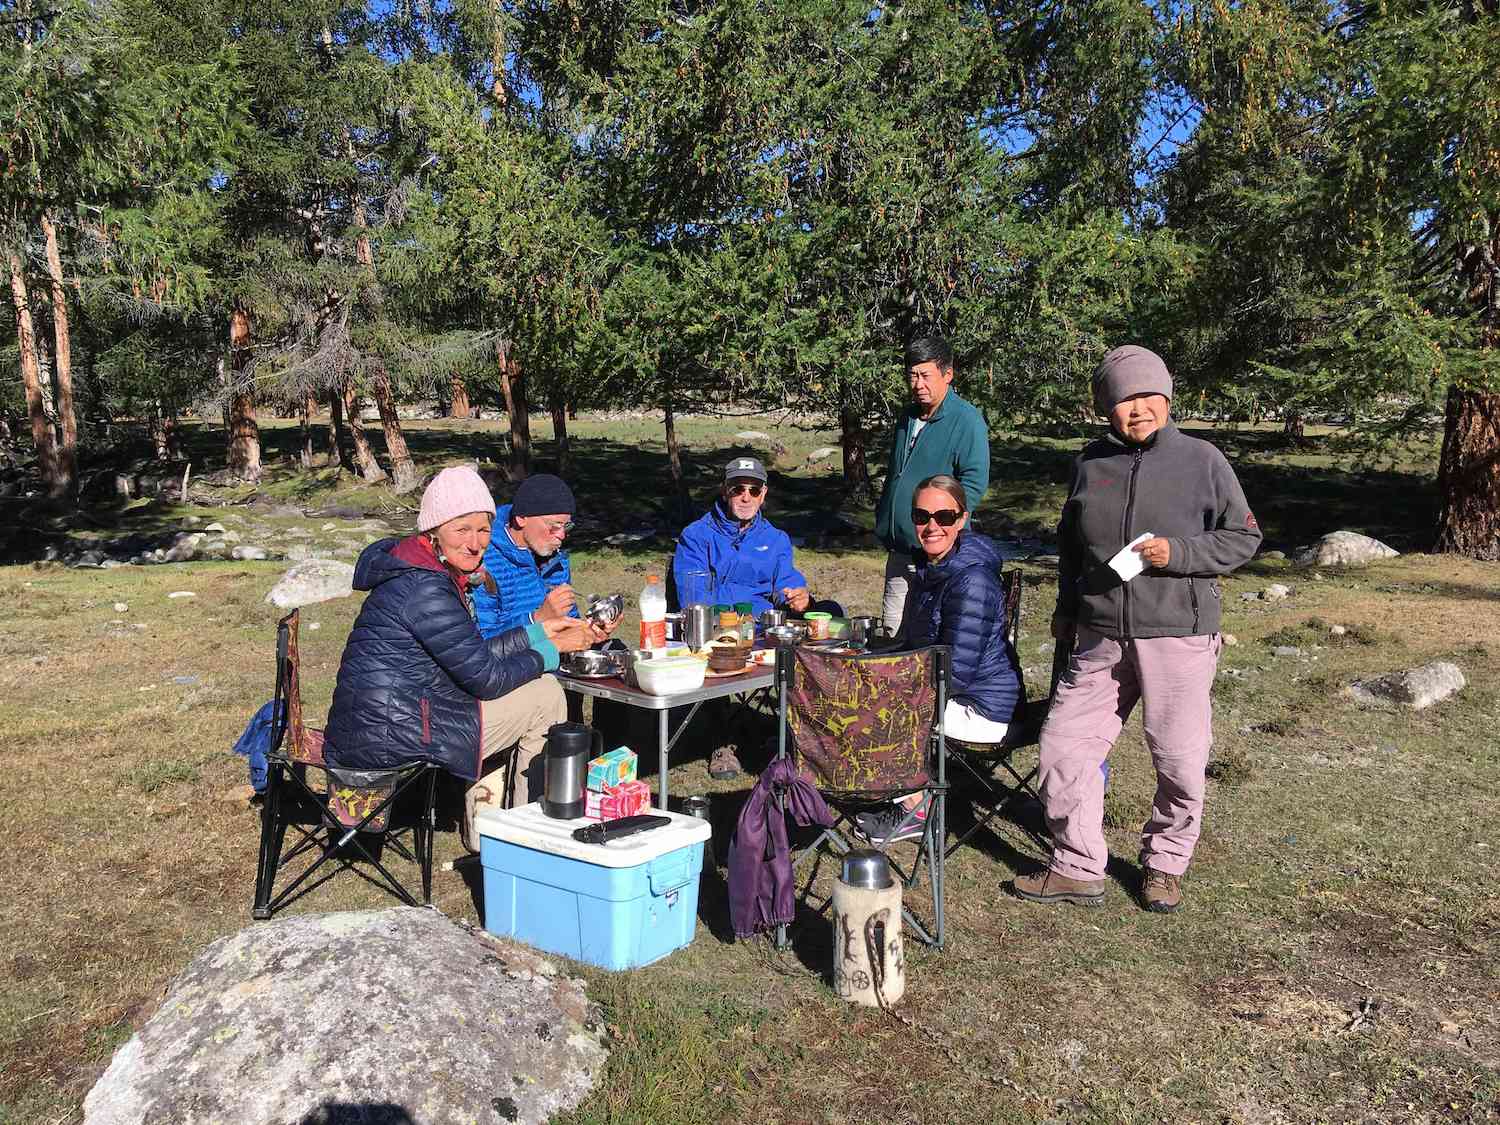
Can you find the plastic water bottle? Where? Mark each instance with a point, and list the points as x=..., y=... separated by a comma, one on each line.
x=653, y=613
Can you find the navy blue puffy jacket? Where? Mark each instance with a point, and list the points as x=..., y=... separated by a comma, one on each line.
x=960, y=602
x=415, y=667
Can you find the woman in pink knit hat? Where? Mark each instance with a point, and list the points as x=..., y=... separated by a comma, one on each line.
x=417, y=681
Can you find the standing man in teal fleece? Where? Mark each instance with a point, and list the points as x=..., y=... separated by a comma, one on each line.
x=938, y=433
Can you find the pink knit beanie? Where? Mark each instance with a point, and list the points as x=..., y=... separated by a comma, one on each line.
x=456, y=491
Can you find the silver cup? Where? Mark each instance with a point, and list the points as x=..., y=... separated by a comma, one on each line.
x=697, y=625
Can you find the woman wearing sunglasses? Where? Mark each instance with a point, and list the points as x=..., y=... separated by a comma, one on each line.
x=956, y=599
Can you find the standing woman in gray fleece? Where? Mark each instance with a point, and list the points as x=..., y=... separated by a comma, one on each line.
x=1152, y=636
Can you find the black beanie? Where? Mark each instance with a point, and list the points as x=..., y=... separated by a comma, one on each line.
x=543, y=495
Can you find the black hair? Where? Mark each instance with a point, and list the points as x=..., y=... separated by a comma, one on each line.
x=929, y=349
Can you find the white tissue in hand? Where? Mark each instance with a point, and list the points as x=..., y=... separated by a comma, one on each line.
x=1128, y=563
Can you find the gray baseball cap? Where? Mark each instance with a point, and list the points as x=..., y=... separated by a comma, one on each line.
x=744, y=467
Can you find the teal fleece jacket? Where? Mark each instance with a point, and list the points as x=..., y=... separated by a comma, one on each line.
x=955, y=441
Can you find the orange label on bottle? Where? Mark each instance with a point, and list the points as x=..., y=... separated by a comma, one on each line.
x=653, y=634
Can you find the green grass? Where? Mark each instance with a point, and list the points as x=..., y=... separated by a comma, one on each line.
x=1346, y=856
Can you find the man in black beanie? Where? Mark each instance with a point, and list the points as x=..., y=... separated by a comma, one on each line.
x=526, y=558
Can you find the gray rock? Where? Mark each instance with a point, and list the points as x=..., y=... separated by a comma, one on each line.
x=176, y=595
x=1416, y=688
x=1249, y=597
x=752, y=435
x=92, y=559
x=215, y=527
x=384, y=1016
x=1273, y=555
x=230, y=536
x=121, y=607
x=1230, y=640
x=1345, y=548
x=1275, y=592
x=113, y=564
x=1286, y=650
x=822, y=453
x=315, y=580
x=185, y=548
x=249, y=553
x=298, y=553
x=1337, y=630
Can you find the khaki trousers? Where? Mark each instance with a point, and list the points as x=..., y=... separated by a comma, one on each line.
x=519, y=718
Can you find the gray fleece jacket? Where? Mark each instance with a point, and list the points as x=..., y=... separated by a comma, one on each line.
x=1175, y=486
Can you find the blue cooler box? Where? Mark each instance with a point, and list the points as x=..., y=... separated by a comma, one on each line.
x=618, y=906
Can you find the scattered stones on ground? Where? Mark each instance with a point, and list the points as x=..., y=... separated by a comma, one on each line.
x=1286, y=650
x=1275, y=592
x=822, y=453
x=401, y=1012
x=121, y=607
x=182, y=594
x=752, y=435
x=248, y=553
x=310, y=581
x=1416, y=688
x=1249, y=597
x=1337, y=630
x=216, y=526
x=187, y=681
x=1345, y=548
x=639, y=535
x=1230, y=640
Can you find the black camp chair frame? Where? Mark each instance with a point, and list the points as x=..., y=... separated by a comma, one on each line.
x=833, y=841
x=980, y=760
x=340, y=847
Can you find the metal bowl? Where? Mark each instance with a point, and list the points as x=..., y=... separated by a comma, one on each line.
x=789, y=634
x=866, y=868
x=605, y=611
x=589, y=662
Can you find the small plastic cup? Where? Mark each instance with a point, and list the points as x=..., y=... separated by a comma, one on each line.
x=817, y=625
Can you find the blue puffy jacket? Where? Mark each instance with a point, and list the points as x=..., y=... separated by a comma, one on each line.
x=521, y=582
x=960, y=602
x=716, y=561
x=415, y=667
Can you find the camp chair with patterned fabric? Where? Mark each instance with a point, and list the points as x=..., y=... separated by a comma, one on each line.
x=982, y=760
x=340, y=817
x=866, y=729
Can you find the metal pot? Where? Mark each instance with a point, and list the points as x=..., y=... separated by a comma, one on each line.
x=866, y=868
x=862, y=629
x=771, y=618
x=697, y=625
x=589, y=662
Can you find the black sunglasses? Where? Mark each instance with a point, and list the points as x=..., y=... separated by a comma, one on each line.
x=741, y=489
x=945, y=518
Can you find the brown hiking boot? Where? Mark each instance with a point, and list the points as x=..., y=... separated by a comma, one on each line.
x=723, y=764
x=1160, y=892
x=1049, y=886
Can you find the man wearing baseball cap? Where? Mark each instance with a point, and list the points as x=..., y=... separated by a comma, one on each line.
x=734, y=554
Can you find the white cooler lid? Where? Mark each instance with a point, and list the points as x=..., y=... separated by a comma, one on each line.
x=529, y=827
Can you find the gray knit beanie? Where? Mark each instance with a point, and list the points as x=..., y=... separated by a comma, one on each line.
x=1129, y=370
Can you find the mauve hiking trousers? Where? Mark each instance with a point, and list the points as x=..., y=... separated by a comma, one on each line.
x=1171, y=677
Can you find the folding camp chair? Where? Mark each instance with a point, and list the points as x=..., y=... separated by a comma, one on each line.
x=983, y=760
x=865, y=729
x=340, y=817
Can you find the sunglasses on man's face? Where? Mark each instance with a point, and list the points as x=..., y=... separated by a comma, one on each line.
x=946, y=517
x=741, y=489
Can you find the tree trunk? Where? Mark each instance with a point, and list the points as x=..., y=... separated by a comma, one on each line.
x=459, y=406
x=517, y=409
x=244, y=434
x=560, y=436
x=403, y=472
x=309, y=404
x=1294, y=425
x=62, y=366
x=364, y=457
x=1469, y=476
x=31, y=377
x=338, y=441
x=856, y=465
x=161, y=423
x=674, y=459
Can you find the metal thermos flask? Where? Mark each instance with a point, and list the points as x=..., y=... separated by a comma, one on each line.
x=566, y=768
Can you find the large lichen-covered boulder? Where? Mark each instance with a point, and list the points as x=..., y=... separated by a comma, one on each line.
x=314, y=580
x=376, y=1017
x=1345, y=548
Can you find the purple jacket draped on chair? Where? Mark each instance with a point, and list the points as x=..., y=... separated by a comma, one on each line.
x=762, y=891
